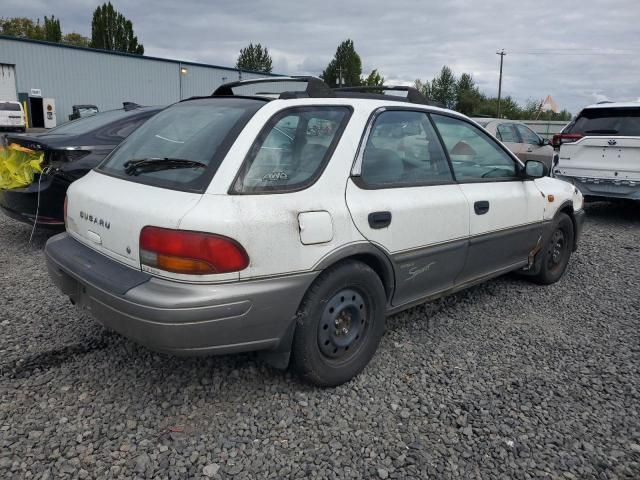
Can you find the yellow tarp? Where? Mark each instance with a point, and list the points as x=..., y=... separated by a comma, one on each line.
x=18, y=165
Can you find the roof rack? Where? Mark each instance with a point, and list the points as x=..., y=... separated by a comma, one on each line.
x=413, y=94
x=315, y=88
x=128, y=106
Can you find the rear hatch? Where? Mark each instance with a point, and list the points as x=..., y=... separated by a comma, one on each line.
x=107, y=214
x=156, y=176
x=11, y=114
x=603, y=143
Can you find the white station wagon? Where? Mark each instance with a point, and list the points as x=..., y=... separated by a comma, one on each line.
x=293, y=226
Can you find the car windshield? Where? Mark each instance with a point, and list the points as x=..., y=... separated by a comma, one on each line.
x=9, y=107
x=200, y=130
x=88, y=124
x=607, y=121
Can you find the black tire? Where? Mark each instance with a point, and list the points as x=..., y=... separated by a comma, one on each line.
x=557, y=252
x=339, y=325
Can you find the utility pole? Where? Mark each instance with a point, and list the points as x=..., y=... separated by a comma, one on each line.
x=502, y=54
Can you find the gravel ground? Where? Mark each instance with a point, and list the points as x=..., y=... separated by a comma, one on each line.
x=506, y=380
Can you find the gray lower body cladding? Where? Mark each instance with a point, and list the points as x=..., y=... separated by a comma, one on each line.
x=594, y=187
x=180, y=318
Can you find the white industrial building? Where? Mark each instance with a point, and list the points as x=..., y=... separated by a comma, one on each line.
x=49, y=78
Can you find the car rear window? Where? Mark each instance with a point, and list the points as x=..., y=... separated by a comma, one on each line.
x=9, y=107
x=88, y=124
x=607, y=121
x=199, y=130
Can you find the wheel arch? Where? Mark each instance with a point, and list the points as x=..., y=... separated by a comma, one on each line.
x=368, y=254
x=567, y=208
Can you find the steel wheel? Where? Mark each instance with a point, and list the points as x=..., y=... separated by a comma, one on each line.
x=343, y=324
x=556, y=250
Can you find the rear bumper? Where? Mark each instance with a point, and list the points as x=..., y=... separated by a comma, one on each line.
x=22, y=203
x=606, y=188
x=176, y=317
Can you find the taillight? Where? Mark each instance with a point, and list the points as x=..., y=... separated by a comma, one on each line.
x=560, y=138
x=193, y=253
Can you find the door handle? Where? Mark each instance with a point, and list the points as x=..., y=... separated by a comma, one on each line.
x=379, y=219
x=530, y=150
x=481, y=207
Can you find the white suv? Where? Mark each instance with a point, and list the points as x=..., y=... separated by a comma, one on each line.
x=599, y=152
x=293, y=226
x=12, y=116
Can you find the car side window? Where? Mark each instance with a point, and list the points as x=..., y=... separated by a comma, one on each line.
x=292, y=150
x=474, y=155
x=528, y=136
x=403, y=149
x=506, y=133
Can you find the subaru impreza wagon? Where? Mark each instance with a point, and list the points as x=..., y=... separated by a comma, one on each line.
x=293, y=226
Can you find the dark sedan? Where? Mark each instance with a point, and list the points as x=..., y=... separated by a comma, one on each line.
x=70, y=152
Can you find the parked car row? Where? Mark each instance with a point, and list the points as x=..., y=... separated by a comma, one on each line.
x=293, y=225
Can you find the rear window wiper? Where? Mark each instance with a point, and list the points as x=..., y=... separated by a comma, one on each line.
x=135, y=167
x=603, y=131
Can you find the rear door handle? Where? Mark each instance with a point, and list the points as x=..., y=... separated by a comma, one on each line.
x=481, y=207
x=379, y=219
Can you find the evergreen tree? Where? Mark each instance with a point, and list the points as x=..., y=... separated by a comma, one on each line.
x=346, y=62
x=51, y=29
x=255, y=58
x=110, y=30
x=374, y=79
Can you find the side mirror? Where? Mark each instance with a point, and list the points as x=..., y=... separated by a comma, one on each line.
x=544, y=142
x=535, y=169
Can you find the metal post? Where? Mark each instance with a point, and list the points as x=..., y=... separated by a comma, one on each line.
x=502, y=54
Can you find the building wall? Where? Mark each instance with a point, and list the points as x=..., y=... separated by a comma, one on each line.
x=74, y=76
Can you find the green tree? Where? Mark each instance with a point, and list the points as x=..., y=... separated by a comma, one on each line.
x=110, y=30
x=51, y=29
x=346, y=63
x=74, y=38
x=255, y=58
x=374, y=79
x=424, y=87
x=444, y=87
x=21, y=27
x=468, y=97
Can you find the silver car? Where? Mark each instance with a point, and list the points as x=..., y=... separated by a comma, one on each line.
x=520, y=139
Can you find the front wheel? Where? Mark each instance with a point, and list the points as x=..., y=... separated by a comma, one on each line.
x=340, y=324
x=557, y=252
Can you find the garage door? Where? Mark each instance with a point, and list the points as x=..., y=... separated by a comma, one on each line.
x=8, y=82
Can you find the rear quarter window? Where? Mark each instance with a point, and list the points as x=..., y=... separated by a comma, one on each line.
x=292, y=150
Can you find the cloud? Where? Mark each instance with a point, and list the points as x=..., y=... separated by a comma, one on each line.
x=568, y=51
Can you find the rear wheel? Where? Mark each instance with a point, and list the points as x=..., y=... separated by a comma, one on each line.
x=340, y=323
x=557, y=252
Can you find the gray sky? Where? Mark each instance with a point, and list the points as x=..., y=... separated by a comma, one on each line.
x=576, y=51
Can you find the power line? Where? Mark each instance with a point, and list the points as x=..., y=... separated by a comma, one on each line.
x=577, y=53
